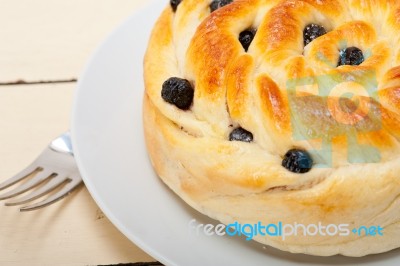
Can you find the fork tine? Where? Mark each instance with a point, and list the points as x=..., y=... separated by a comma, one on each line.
x=36, y=180
x=50, y=186
x=68, y=188
x=18, y=177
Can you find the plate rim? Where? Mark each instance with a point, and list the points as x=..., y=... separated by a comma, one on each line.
x=90, y=186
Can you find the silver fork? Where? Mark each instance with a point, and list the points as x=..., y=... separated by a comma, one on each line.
x=54, y=168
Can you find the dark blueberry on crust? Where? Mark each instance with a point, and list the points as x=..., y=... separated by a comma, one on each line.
x=218, y=4
x=312, y=32
x=179, y=92
x=246, y=37
x=352, y=56
x=240, y=134
x=175, y=4
x=297, y=161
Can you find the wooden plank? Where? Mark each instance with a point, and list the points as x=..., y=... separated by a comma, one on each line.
x=53, y=39
x=73, y=231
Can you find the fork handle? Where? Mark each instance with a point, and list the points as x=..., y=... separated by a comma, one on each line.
x=63, y=144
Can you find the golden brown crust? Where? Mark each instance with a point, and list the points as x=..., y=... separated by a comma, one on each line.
x=287, y=96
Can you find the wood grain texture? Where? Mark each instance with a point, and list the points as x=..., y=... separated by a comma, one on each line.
x=71, y=232
x=53, y=39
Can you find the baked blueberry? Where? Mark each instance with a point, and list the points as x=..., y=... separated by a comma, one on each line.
x=297, y=161
x=240, y=134
x=312, y=32
x=351, y=56
x=175, y=4
x=246, y=37
x=218, y=4
x=179, y=92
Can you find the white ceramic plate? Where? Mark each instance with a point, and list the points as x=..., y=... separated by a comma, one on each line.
x=110, y=150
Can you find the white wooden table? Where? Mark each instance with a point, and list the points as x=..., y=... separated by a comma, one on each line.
x=51, y=40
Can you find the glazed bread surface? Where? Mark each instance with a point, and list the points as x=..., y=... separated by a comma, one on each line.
x=290, y=95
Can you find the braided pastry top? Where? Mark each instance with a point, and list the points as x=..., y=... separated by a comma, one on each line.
x=274, y=81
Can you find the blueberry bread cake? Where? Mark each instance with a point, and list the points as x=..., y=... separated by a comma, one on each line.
x=281, y=112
